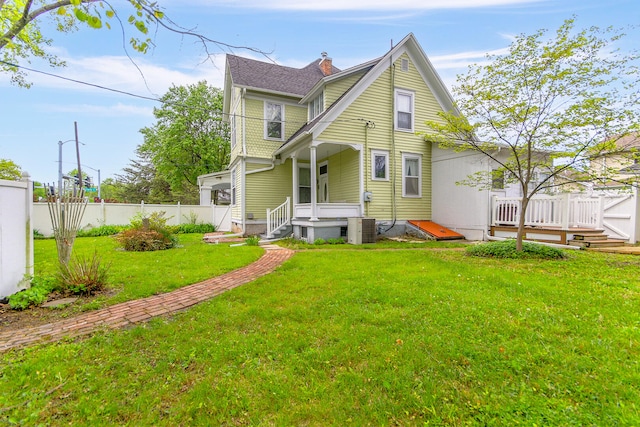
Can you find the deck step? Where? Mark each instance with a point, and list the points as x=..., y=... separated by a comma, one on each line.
x=602, y=243
x=589, y=238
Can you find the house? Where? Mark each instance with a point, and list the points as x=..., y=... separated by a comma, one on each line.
x=312, y=147
x=619, y=165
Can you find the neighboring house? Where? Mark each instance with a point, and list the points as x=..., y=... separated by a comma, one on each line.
x=312, y=147
x=621, y=165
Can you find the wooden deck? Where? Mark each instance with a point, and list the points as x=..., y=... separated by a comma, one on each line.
x=587, y=238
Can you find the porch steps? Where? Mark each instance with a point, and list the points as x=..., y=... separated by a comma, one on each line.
x=594, y=239
x=281, y=233
x=436, y=231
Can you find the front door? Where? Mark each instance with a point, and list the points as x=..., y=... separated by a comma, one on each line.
x=323, y=183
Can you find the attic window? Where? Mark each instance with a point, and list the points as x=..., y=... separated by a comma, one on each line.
x=405, y=65
x=316, y=107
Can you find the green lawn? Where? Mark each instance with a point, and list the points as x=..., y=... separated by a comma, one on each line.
x=361, y=337
x=140, y=274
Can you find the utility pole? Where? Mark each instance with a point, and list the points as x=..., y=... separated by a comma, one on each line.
x=75, y=124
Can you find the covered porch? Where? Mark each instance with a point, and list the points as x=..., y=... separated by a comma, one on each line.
x=327, y=189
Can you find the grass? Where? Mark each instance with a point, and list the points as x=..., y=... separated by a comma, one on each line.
x=361, y=337
x=140, y=274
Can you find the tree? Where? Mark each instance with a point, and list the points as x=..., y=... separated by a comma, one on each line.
x=9, y=170
x=140, y=182
x=551, y=104
x=189, y=138
x=21, y=37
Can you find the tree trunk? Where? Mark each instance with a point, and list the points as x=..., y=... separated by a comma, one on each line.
x=523, y=210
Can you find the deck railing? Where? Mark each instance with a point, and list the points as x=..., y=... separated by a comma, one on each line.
x=549, y=211
x=278, y=218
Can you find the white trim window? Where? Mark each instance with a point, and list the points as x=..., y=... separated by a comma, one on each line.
x=379, y=165
x=404, y=106
x=273, y=121
x=316, y=107
x=411, y=175
x=232, y=126
x=233, y=187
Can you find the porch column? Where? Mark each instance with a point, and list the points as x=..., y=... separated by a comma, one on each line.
x=294, y=174
x=314, y=185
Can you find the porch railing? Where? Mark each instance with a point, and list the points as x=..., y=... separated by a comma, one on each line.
x=328, y=210
x=278, y=218
x=549, y=211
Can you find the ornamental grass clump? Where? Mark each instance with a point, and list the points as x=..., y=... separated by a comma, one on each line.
x=507, y=249
x=83, y=275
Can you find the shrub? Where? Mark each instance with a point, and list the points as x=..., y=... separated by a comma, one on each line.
x=319, y=241
x=338, y=241
x=252, y=241
x=83, y=275
x=156, y=221
x=145, y=240
x=38, y=235
x=40, y=289
x=507, y=249
x=103, y=230
x=195, y=228
x=147, y=233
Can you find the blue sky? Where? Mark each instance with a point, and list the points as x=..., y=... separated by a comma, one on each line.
x=453, y=33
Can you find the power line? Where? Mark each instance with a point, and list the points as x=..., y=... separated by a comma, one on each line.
x=149, y=98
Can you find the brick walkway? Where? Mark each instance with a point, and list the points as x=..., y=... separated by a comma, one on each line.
x=130, y=312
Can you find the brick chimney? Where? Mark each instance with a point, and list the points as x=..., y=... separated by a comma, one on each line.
x=325, y=64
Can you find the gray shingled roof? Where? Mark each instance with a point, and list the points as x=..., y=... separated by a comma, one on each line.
x=273, y=77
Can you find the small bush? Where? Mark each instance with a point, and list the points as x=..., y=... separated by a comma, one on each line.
x=252, y=241
x=40, y=289
x=147, y=233
x=84, y=276
x=195, y=228
x=38, y=235
x=156, y=221
x=319, y=241
x=507, y=249
x=145, y=240
x=338, y=241
x=103, y=230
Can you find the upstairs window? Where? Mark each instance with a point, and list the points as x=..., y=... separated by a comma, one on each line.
x=274, y=120
x=316, y=107
x=404, y=110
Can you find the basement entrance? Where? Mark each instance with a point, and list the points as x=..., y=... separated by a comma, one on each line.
x=437, y=231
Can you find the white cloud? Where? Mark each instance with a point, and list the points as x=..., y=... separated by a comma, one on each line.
x=463, y=59
x=360, y=4
x=118, y=73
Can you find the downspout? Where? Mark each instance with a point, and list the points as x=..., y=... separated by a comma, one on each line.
x=364, y=171
x=393, y=143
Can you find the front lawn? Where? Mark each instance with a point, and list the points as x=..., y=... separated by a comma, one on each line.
x=361, y=337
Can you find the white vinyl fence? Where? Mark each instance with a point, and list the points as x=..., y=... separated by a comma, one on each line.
x=16, y=236
x=98, y=214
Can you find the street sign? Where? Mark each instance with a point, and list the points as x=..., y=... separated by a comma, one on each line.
x=90, y=190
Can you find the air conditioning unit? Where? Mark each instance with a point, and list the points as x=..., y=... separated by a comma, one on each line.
x=361, y=230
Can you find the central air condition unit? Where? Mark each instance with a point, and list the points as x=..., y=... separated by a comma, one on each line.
x=361, y=230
